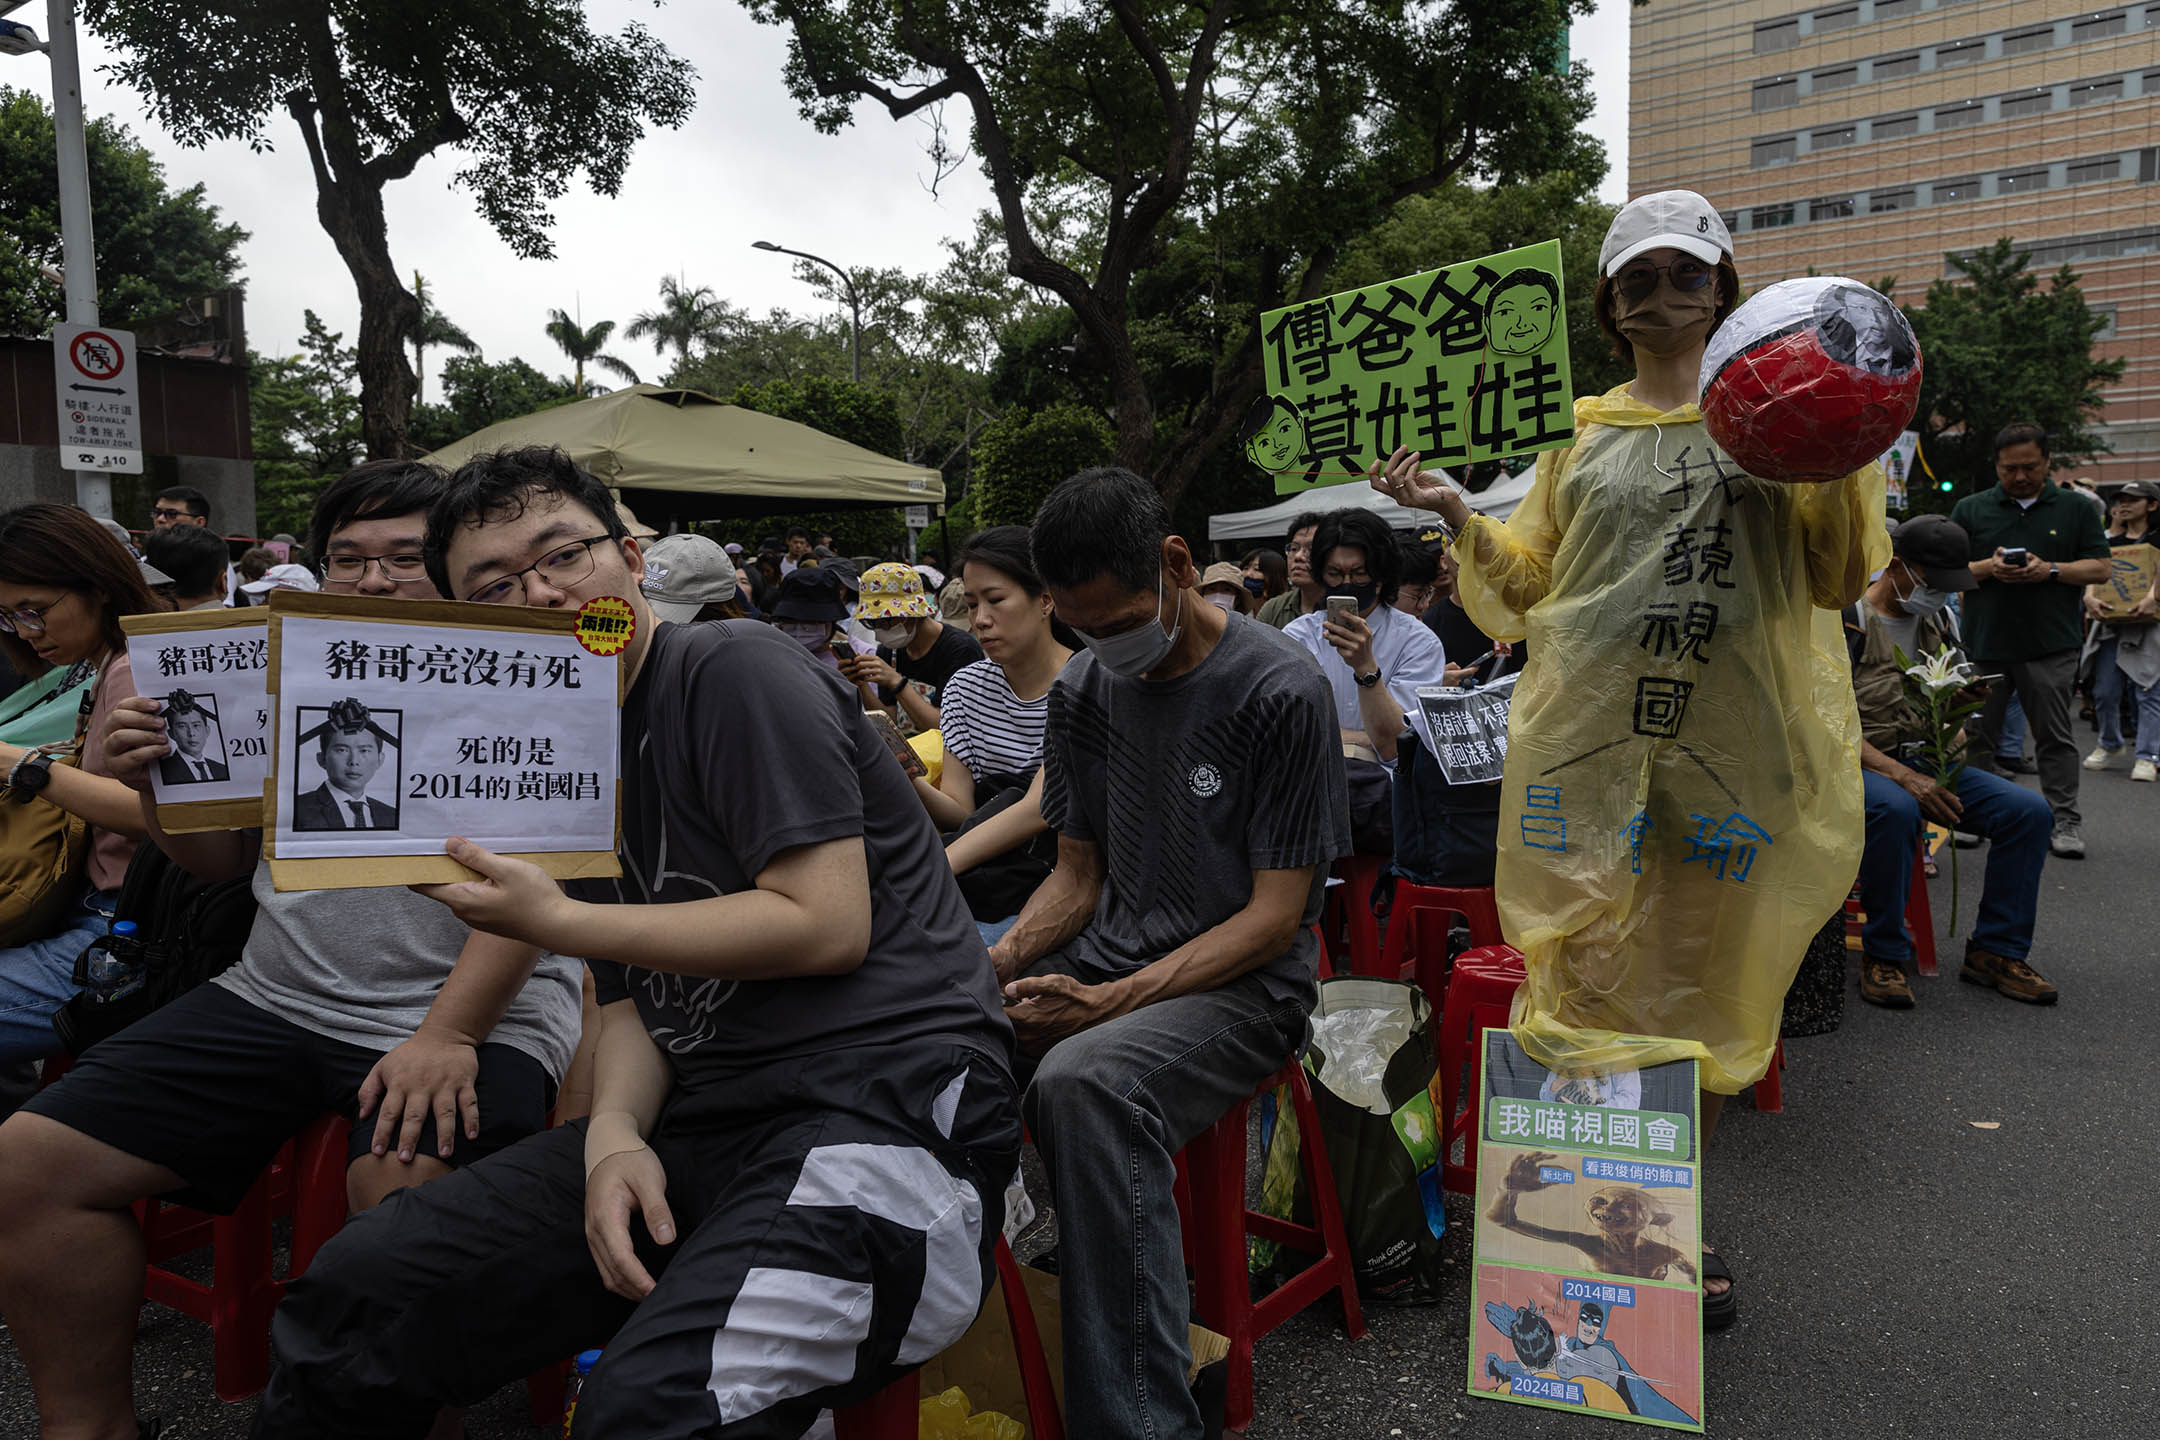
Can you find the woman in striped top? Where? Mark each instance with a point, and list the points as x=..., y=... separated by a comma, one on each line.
x=991, y=713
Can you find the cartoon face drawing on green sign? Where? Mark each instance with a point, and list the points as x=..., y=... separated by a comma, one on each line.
x=1521, y=311
x=1277, y=441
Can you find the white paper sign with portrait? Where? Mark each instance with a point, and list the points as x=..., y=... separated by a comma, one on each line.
x=209, y=668
x=403, y=723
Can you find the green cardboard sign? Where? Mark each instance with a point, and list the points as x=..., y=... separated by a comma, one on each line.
x=1468, y=362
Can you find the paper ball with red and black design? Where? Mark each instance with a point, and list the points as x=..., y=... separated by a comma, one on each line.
x=1811, y=379
x=893, y=592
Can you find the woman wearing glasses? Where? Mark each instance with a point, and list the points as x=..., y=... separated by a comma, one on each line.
x=1682, y=805
x=64, y=584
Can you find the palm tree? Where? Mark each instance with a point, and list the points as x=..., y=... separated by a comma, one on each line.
x=583, y=345
x=435, y=328
x=684, y=318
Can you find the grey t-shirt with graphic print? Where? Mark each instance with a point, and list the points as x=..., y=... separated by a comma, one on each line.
x=713, y=789
x=1190, y=785
x=363, y=966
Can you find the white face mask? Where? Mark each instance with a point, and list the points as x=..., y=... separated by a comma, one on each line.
x=1923, y=601
x=809, y=636
x=1139, y=650
x=895, y=636
x=1225, y=603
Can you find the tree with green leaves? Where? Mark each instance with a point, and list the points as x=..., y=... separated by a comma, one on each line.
x=1247, y=144
x=687, y=318
x=1996, y=347
x=304, y=414
x=157, y=249
x=586, y=346
x=524, y=92
x=434, y=330
x=1022, y=456
x=478, y=393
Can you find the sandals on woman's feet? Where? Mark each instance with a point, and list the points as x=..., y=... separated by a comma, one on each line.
x=1721, y=1309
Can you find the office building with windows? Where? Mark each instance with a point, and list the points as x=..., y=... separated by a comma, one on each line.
x=1872, y=137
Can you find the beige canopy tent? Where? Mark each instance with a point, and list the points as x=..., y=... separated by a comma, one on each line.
x=708, y=458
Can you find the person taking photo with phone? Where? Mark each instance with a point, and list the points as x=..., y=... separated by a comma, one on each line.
x=2037, y=546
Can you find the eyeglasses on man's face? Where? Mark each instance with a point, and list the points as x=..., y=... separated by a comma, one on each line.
x=171, y=513
x=562, y=567
x=350, y=569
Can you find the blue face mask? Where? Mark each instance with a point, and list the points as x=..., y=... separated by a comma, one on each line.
x=1138, y=650
x=1923, y=601
x=1256, y=585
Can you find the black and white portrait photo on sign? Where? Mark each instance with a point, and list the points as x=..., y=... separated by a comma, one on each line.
x=345, y=767
x=198, y=741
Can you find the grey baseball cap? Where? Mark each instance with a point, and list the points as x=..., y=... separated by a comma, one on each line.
x=684, y=574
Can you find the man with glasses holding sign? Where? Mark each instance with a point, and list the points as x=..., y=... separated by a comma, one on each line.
x=803, y=1106
x=440, y=1043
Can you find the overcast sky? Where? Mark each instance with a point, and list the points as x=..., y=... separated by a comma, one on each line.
x=745, y=167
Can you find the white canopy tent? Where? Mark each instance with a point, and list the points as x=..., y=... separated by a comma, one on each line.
x=1270, y=522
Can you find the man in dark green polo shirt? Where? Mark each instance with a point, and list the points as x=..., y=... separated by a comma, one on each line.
x=2024, y=621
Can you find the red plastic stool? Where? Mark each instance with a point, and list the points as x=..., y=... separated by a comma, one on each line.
x=242, y=1292
x=1353, y=929
x=1480, y=991
x=1216, y=1224
x=1919, y=914
x=1417, y=932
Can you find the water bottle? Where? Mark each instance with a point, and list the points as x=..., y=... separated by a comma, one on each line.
x=579, y=1368
x=113, y=966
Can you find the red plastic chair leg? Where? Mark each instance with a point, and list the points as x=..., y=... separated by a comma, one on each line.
x=1045, y=1422
x=1770, y=1090
x=1920, y=913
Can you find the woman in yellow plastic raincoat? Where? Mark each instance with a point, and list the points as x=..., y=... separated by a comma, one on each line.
x=1682, y=806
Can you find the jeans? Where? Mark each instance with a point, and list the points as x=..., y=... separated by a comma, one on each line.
x=2016, y=823
x=2043, y=687
x=1109, y=1108
x=2011, y=745
x=2108, y=683
x=36, y=979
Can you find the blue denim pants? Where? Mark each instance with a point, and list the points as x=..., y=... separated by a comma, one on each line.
x=2108, y=683
x=2016, y=823
x=1109, y=1108
x=38, y=978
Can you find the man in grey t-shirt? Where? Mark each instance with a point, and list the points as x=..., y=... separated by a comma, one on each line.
x=1193, y=774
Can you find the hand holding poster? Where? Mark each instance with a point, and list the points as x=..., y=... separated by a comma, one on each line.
x=1468, y=362
x=1586, y=1293
x=209, y=667
x=402, y=723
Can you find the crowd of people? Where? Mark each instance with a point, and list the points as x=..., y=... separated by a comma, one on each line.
x=746, y=1116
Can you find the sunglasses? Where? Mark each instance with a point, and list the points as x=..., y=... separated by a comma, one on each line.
x=1638, y=278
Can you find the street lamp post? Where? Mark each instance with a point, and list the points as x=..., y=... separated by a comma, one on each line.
x=854, y=304
x=93, y=489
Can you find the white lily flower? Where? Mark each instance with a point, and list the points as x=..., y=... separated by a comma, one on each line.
x=1941, y=671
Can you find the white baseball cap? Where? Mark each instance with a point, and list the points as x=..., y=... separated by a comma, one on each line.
x=283, y=577
x=1678, y=219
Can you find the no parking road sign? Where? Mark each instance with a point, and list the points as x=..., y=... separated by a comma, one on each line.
x=100, y=420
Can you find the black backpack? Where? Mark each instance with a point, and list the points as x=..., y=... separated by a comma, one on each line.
x=189, y=931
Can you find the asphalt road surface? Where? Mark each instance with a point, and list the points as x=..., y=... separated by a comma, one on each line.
x=1940, y=1236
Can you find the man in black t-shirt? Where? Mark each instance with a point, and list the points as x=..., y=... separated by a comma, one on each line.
x=802, y=1056
x=1193, y=774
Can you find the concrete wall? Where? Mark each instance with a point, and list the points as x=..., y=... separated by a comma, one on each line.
x=32, y=472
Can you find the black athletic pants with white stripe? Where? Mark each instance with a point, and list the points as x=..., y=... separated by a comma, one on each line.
x=836, y=1228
